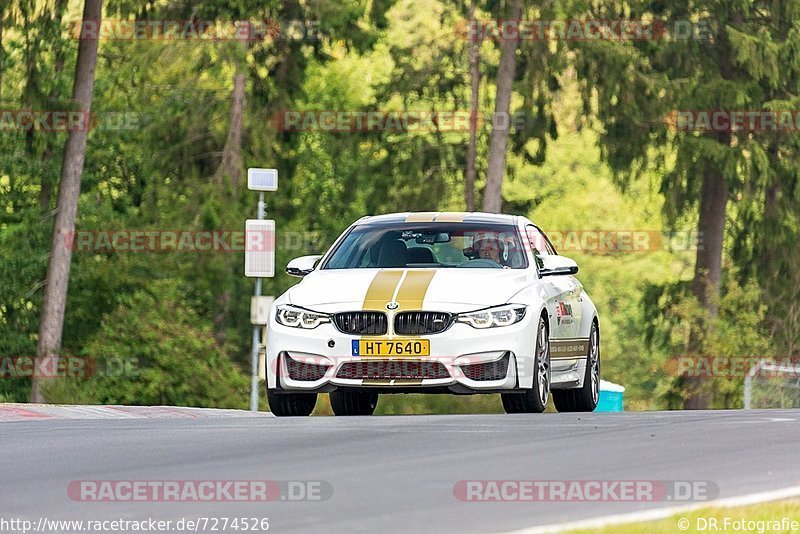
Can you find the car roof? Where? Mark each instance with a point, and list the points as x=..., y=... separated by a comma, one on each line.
x=438, y=216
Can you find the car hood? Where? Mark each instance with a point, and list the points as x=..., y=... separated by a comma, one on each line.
x=412, y=289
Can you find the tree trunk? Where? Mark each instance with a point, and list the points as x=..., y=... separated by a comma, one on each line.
x=475, y=84
x=231, y=164
x=711, y=228
x=55, y=293
x=2, y=50
x=708, y=266
x=493, y=195
x=775, y=255
x=768, y=252
x=711, y=233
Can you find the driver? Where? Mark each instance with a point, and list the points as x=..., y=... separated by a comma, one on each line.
x=488, y=248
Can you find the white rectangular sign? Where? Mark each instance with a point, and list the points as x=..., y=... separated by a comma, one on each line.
x=262, y=179
x=259, y=248
x=259, y=309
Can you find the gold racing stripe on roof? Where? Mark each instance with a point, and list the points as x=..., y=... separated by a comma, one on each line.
x=425, y=216
x=450, y=216
x=436, y=216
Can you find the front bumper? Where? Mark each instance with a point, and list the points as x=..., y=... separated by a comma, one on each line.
x=462, y=359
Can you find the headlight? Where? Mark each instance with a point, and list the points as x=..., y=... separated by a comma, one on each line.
x=300, y=317
x=505, y=315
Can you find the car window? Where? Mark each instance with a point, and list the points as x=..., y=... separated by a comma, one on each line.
x=430, y=245
x=539, y=242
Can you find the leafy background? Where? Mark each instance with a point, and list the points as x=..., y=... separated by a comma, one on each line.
x=589, y=157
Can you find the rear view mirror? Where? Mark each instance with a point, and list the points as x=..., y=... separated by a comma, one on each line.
x=553, y=265
x=430, y=239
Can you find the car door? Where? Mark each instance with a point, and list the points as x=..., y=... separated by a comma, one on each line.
x=564, y=291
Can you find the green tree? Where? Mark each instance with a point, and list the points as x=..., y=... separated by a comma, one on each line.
x=634, y=85
x=154, y=349
x=54, y=300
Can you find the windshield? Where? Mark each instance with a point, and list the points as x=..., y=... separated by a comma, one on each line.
x=432, y=245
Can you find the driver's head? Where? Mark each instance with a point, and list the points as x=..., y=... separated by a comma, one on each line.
x=487, y=248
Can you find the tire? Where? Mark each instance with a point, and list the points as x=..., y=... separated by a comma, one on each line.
x=534, y=400
x=291, y=404
x=583, y=399
x=349, y=402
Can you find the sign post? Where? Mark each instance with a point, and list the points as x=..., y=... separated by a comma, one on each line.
x=259, y=263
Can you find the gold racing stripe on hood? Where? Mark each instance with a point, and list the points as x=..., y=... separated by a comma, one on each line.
x=413, y=289
x=381, y=289
x=406, y=287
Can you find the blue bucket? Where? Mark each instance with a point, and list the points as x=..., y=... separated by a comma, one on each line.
x=611, y=396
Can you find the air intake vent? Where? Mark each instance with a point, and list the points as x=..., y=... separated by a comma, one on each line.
x=389, y=369
x=421, y=322
x=484, y=372
x=361, y=323
x=302, y=371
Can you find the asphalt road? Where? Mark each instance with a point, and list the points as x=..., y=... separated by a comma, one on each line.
x=392, y=474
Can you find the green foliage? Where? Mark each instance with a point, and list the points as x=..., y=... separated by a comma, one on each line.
x=617, y=281
x=23, y=259
x=154, y=350
x=592, y=153
x=735, y=334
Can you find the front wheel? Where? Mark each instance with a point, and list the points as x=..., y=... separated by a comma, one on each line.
x=583, y=399
x=349, y=402
x=291, y=404
x=534, y=400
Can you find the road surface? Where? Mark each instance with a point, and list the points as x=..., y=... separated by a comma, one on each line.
x=392, y=473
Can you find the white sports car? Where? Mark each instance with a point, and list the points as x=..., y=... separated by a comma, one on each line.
x=457, y=303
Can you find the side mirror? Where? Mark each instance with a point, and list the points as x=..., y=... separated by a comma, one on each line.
x=303, y=265
x=556, y=265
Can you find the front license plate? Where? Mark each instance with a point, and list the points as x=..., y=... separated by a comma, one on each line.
x=393, y=347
